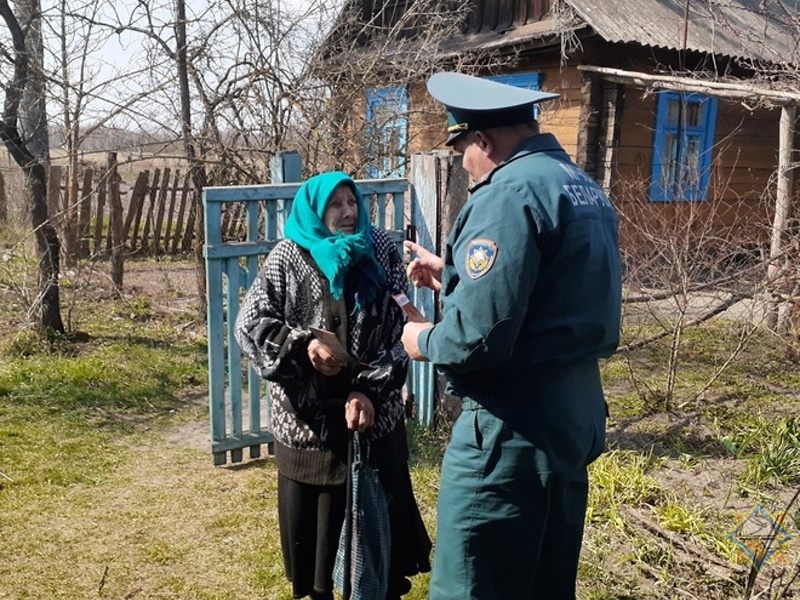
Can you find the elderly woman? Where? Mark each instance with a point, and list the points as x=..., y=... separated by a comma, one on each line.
x=337, y=273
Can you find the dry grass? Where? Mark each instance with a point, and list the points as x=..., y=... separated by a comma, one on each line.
x=107, y=488
x=163, y=523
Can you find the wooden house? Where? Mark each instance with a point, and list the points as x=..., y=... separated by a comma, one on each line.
x=683, y=110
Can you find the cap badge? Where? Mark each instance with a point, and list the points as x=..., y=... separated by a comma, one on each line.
x=480, y=257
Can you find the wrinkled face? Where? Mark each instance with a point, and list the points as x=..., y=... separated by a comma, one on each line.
x=341, y=214
x=474, y=161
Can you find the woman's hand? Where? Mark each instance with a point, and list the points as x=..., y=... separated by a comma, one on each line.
x=322, y=359
x=359, y=412
x=426, y=269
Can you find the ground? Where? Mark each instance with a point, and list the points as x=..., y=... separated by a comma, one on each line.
x=664, y=535
x=172, y=287
x=702, y=476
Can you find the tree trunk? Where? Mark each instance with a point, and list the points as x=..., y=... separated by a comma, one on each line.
x=197, y=171
x=775, y=320
x=48, y=248
x=25, y=134
x=3, y=202
x=116, y=224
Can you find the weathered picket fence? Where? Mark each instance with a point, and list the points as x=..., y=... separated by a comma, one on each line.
x=158, y=212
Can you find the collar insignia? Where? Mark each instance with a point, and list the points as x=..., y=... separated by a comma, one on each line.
x=480, y=257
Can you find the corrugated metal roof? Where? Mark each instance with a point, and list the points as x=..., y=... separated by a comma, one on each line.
x=761, y=30
x=757, y=29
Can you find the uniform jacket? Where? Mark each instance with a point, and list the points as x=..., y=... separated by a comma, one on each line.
x=290, y=295
x=531, y=293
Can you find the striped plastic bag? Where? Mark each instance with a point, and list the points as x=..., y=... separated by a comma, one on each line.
x=365, y=541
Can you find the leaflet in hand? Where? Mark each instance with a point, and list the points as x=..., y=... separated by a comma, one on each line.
x=332, y=344
x=411, y=311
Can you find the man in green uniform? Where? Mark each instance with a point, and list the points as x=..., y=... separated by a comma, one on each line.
x=530, y=289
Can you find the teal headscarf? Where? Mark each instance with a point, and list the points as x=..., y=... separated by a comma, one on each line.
x=335, y=253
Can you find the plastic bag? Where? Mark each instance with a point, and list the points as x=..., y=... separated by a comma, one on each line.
x=366, y=527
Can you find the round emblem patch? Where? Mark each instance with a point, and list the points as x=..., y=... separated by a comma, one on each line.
x=480, y=257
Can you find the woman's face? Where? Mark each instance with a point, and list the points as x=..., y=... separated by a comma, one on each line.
x=341, y=214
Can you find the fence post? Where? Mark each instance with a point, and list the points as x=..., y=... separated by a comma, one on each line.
x=130, y=229
x=160, y=208
x=438, y=191
x=69, y=220
x=100, y=212
x=178, y=236
x=286, y=167
x=84, y=213
x=170, y=211
x=116, y=224
x=188, y=232
x=149, y=215
x=3, y=201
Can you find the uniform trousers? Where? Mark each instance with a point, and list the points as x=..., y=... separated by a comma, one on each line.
x=508, y=526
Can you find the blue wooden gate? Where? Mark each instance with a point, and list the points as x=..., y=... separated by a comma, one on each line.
x=239, y=419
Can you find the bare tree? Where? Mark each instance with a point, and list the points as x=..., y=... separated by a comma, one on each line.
x=701, y=261
x=197, y=169
x=75, y=81
x=398, y=45
x=23, y=129
x=226, y=79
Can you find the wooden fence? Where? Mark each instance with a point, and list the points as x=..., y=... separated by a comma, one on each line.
x=158, y=211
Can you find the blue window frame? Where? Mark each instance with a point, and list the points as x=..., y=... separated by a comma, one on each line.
x=528, y=81
x=387, y=132
x=682, y=148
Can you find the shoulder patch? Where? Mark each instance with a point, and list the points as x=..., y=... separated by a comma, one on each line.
x=480, y=257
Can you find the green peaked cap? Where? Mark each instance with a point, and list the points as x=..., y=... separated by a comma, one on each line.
x=474, y=103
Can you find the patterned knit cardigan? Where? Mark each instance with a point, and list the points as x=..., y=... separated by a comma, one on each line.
x=290, y=295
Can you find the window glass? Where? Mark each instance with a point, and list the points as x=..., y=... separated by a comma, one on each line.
x=387, y=132
x=693, y=112
x=529, y=80
x=682, y=147
x=691, y=161
x=673, y=110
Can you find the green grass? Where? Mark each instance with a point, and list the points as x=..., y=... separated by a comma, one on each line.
x=620, y=478
x=107, y=488
x=775, y=459
x=139, y=376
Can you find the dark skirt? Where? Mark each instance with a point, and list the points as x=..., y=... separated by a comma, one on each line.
x=311, y=518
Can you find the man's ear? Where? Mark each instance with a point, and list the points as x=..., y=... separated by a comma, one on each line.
x=484, y=142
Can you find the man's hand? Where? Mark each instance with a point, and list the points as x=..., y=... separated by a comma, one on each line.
x=426, y=269
x=359, y=412
x=411, y=332
x=322, y=359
